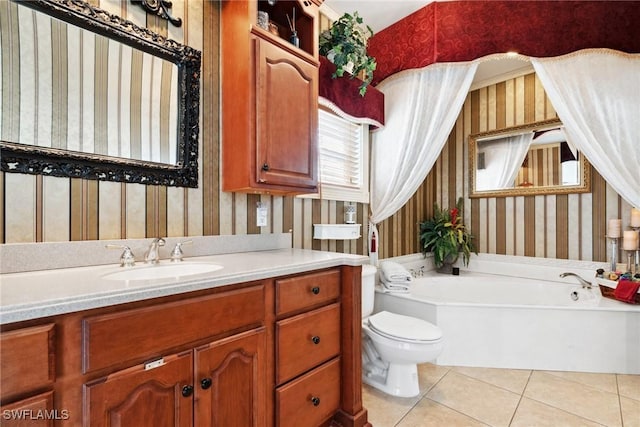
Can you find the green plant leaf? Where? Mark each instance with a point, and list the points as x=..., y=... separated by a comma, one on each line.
x=439, y=236
x=346, y=41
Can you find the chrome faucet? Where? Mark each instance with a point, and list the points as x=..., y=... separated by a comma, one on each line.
x=583, y=282
x=152, y=256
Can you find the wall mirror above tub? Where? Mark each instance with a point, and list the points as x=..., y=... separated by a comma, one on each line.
x=530, y=159
x=87, y=94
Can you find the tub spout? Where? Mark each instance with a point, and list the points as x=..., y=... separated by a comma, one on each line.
x=584, y=283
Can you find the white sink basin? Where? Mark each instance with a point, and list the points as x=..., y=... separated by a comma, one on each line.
x=162, y=271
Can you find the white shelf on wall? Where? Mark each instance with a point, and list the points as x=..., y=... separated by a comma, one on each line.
x=336, y=231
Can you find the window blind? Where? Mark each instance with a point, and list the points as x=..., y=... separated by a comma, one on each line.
x=340, y=153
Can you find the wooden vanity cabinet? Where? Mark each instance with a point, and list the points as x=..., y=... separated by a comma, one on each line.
x=218, y=384
x=308, y=348
x=144, y=397
x=276, y=352
x=269, y=99
x=231, y=381
x=27, y=376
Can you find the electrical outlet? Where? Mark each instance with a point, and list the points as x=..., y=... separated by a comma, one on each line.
x=261, y=216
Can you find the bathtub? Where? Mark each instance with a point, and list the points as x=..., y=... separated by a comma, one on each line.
x=523, y=318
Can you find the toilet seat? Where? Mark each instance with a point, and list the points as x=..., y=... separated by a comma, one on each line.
x=404, y=328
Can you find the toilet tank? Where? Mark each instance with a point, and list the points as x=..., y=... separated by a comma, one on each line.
x=368, y=289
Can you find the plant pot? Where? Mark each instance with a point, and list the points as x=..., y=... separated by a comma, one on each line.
x=447, y=264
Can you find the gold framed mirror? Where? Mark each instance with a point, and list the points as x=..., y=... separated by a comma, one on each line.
x=529, y=159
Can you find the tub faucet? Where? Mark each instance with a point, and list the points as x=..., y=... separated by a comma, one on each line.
x=583, y=282
x=152, y=256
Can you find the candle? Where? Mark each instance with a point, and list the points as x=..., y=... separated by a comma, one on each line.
x=615, y=227
x=635, y=217
x=630, y=240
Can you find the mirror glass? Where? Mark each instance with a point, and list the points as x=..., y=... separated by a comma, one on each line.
x=87, y=94
x=524, y=160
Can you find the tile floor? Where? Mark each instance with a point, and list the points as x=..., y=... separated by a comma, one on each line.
x=460, y=396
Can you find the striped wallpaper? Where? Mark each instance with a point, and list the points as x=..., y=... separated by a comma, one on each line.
x=47, y=209
x=542, y=167
x=73, y=89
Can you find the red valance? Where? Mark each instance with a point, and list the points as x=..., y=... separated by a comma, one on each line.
x=341, y=95
x=456, y=31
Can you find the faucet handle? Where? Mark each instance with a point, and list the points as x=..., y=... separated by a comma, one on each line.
x=127, y=258
x=176, y=253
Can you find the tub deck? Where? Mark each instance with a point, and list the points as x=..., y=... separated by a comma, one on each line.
x=522, y=322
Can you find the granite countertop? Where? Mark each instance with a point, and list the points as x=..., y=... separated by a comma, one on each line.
x=37, y=294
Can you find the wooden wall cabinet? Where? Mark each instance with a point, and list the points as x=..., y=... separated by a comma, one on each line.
x=269, y=98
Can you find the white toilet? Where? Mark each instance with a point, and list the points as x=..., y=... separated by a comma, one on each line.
x=393, y=344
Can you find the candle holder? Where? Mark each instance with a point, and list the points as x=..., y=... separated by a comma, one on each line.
x=614, y=254
x=637, y=260
x=630, y=264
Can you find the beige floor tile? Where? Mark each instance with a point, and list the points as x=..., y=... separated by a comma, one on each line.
x=479, y=400
x=429, y=375
x=429, y=413
x=629, y=386
x=510, y=379
x=576, y=398
x=532, y=413
x=385, y=410
x=604, y=382
x=630, y=412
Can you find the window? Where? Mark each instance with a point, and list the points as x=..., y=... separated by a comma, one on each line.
x=343, y=158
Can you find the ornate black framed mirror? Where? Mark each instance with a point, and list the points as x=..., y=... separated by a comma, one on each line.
x=87, y=94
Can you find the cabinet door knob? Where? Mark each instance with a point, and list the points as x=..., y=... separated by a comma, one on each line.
x=205, y=383
x=265, y=167
x=187, y=390
x=315, y=400
x=315, y=339
x=315, y=290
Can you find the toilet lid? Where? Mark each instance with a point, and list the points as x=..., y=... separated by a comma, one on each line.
x=404, y=327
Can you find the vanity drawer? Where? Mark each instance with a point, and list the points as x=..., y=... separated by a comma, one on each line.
x=27, y=359
x=141, y=333
x=311, y=399
x=309, y=290
x=29, y=409
x=306, y=340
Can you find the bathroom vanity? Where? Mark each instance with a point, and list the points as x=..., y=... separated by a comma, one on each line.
x=271, y=339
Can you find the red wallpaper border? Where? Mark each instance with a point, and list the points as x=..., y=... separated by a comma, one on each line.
x=455, y=31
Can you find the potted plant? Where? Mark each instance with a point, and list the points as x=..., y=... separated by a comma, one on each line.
x=446, y=236
x=345, y=44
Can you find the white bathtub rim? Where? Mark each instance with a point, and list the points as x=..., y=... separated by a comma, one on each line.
x=535, y=268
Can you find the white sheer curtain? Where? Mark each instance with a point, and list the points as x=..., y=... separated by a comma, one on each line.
x=421, y=107
x=503, y=159
x=596, y=93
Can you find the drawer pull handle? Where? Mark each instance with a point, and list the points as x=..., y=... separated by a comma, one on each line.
x=187, y=390
x=315, y=400
x=206, y=383
x=315, y=339
x=315, y=290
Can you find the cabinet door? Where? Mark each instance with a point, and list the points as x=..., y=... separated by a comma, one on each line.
x=231, y=381
x=27, y=360
x=287, y=118
x=143, y=396
x=35, y=411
